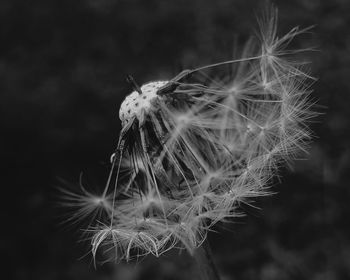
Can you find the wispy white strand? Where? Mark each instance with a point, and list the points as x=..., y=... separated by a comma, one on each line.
x=196, y=148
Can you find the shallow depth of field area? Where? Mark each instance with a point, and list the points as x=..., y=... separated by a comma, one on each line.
x=63, y=66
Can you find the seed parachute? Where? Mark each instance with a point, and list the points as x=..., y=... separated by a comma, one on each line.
x=195, y=147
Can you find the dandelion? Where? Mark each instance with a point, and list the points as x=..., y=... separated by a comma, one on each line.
x=193, y=148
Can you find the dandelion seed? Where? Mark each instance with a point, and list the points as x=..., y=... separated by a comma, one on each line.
x=193, y=148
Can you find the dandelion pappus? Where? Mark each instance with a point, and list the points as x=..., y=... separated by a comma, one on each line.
x=193, y=147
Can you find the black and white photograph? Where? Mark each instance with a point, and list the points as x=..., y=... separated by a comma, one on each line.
x=175, y=139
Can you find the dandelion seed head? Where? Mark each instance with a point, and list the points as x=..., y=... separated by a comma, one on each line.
x=202, y=147
x=135, y=102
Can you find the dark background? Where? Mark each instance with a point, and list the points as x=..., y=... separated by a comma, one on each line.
x=62, y=69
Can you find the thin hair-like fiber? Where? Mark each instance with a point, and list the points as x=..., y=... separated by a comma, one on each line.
x=193, y=148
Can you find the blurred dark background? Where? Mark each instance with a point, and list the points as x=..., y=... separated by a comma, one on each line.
x=62, y=77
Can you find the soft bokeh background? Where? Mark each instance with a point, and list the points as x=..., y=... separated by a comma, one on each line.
x=62, y=77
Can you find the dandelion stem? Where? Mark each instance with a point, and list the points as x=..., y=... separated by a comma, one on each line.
x=204, y=259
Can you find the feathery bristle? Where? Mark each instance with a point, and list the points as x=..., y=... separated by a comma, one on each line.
x=192, y=148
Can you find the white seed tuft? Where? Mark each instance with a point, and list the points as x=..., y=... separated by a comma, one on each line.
x=204, y=144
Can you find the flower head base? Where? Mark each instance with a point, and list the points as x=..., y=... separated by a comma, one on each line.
x=136, y=102
x=193, y=148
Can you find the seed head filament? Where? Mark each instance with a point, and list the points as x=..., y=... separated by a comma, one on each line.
x=193, y=148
